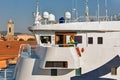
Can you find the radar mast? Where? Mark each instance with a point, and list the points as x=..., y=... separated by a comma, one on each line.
x=37, y=8
x=37, y=16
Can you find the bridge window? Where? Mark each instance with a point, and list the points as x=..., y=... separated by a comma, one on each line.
x=90, y=40
x=78, y=39
x=45, y=39
x=100, y=40
x=62, y=64
x=114, y=71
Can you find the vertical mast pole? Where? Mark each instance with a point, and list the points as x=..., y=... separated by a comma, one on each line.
x=74, y=10
x=106, y=12
x=37, y=14
x=87, y=14
x=98, y=10
x=37, y=8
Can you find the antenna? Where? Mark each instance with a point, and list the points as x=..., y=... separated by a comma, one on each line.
x=98, y=13
x=106, y=12
x=86, y=13
x=37, y=16
x=74, y=10
x=37, y=8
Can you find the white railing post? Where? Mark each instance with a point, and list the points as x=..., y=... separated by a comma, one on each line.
x=5, y=74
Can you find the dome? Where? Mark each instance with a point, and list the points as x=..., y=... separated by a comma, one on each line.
x=51, y=17
x=10, y=21
x=46, y=15
x=67, y=15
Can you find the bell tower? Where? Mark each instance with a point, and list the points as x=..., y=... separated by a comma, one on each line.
x=10, y=27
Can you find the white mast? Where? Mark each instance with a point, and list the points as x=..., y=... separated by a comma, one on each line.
x=98, y=13
x=37, y=16
x=74, y=10
x=37, y=8
x=106, y=12
x=86, y=13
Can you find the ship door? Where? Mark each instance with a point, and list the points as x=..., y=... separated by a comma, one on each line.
x=62, y=38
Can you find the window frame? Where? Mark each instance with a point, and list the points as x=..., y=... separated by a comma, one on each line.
x=58, y=64
x=99, y=40
x=90, y=40
x=49, y=39
x=80, y=38
x=114, y=71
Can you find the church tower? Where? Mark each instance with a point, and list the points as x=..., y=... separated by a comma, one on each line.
x=10, y=31
x=10, y=27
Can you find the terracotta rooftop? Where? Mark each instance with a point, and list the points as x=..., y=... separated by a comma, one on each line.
x=12, y=47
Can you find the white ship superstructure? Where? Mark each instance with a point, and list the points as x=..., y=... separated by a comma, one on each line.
x=94, y=56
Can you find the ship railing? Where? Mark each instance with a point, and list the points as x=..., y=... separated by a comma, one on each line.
x=6, y=74
x=82, y=19
x=59, y=45
x=64, y=45
x=75, y=44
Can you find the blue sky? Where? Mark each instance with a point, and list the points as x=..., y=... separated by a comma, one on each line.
x=20, y=11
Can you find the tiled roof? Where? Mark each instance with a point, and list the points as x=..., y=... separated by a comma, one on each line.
x=12, y=47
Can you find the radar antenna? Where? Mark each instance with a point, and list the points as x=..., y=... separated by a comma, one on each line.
x=37, y=16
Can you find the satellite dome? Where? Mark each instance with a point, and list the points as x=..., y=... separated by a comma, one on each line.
x=46, y=15
x=67, y=15
x=51, y=17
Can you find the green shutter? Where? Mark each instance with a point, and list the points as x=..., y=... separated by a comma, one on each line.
x=53, y=72
x=78, y=72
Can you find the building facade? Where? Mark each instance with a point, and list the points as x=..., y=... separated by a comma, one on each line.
x=11, y=37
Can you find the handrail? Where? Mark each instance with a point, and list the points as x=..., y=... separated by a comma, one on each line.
x=81, y=19
x=4, y=74
x=66, y=45
x=59, y=45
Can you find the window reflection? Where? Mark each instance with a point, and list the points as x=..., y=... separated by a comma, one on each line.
x=45, y=39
